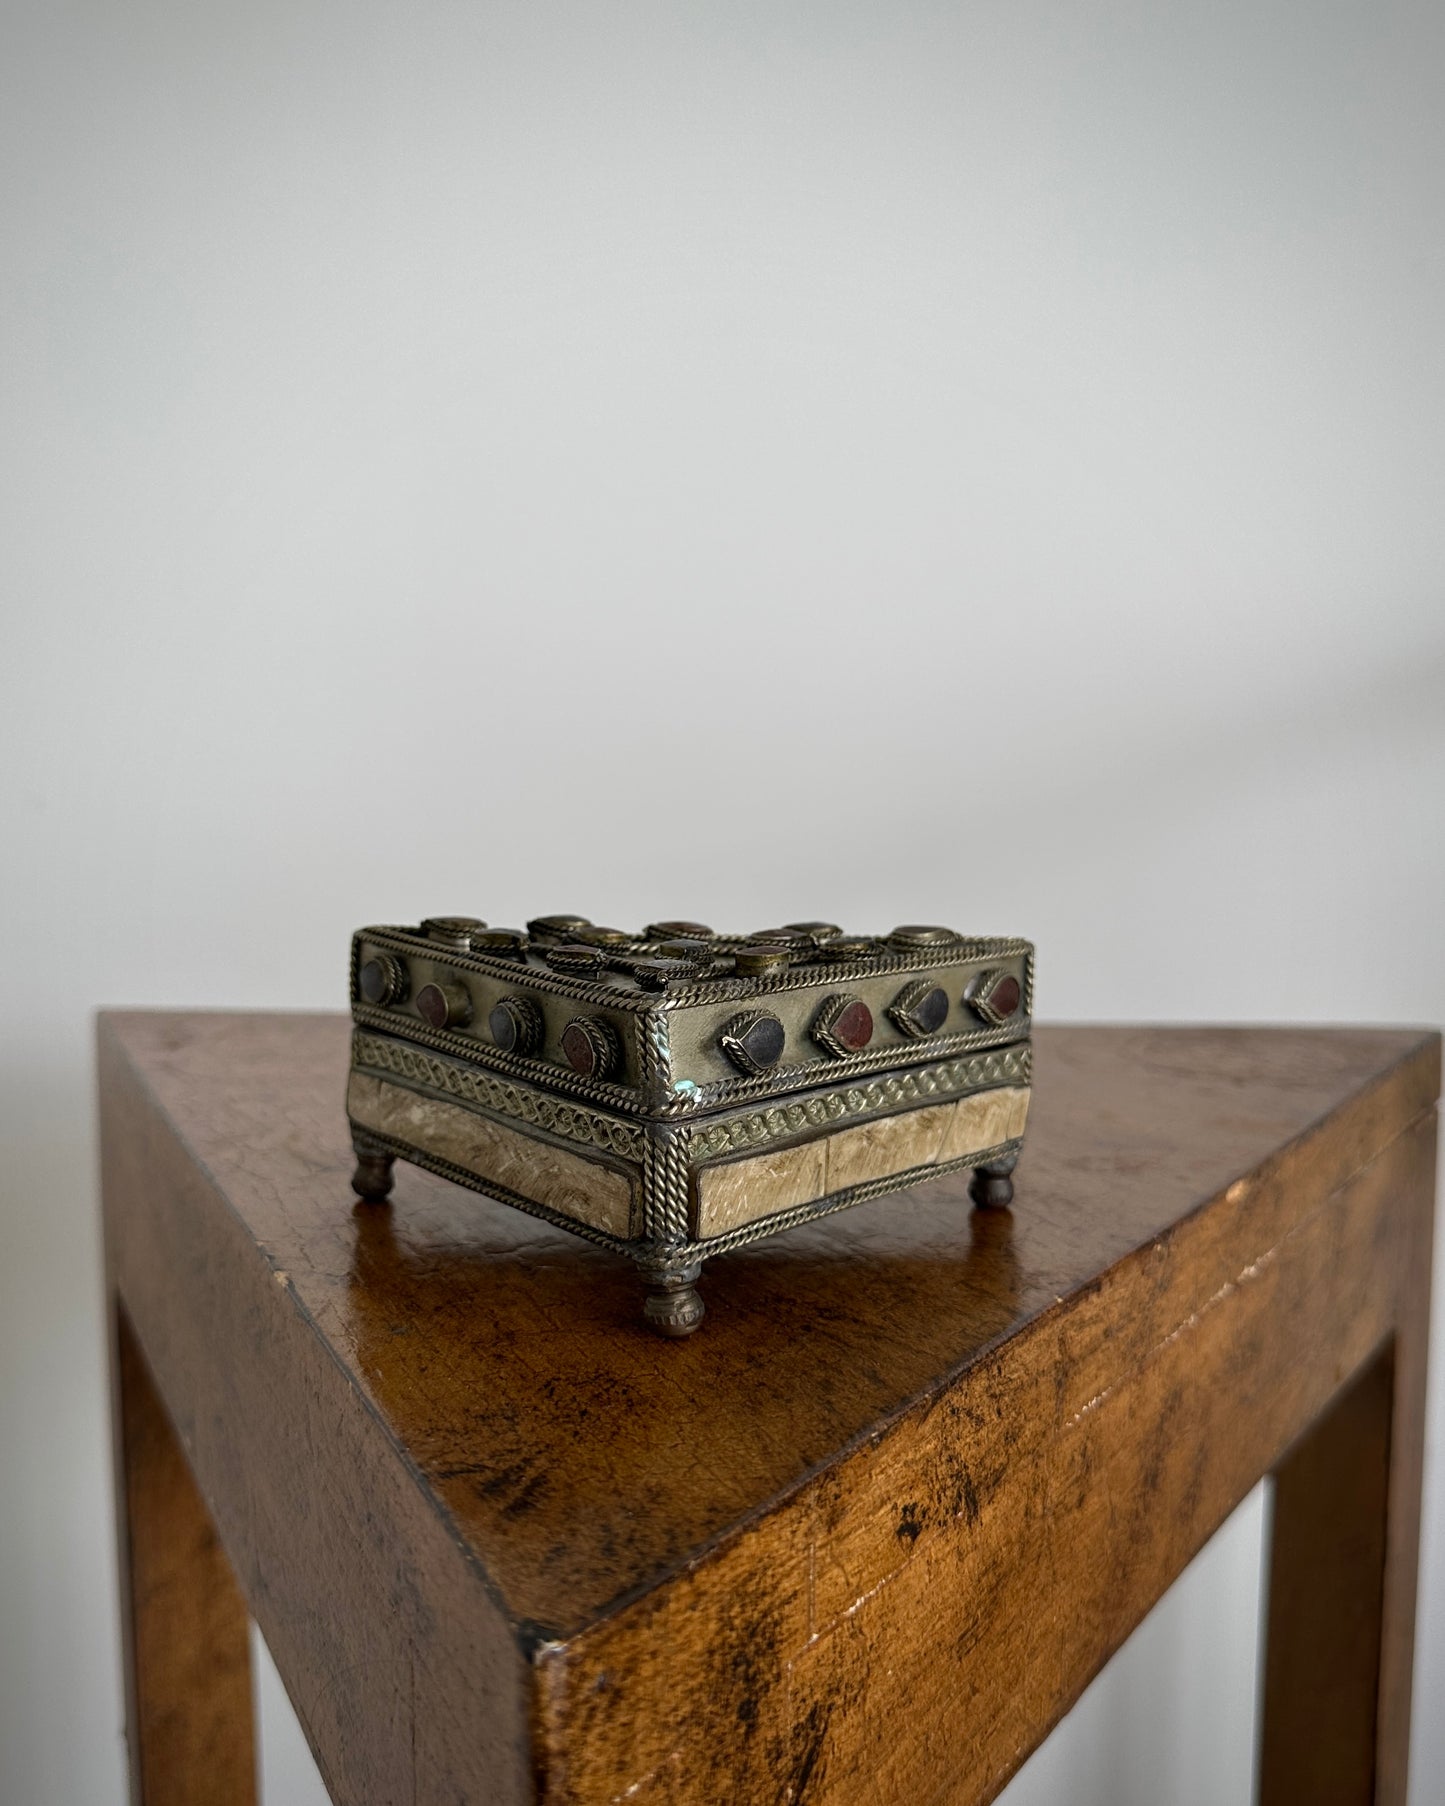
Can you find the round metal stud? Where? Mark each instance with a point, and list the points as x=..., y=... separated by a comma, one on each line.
x=572, y=956
x=382, y=980
x=754, y=1041
x=452, y=931
x=601, y=937
x=590, y=1047
x=516, y=1025
x=444, y=1005
x=817, y=932
x=658, y=974
x=556, y=928
x=501, y=943
x=848, y=947
x=754, y=959
x=843, y=1026
x=994, y=997
x=913, y=935
x=677, y=931
x=699, y=954
x=919, y=1009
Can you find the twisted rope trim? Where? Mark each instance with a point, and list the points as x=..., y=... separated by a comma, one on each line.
x=470, y=1085
x=897, y=1091
x=728, y=1093
x=804, y=977
x=412, y=1031
x=665, y=1192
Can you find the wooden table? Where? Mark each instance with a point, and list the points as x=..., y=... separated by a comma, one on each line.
x=865, y=1538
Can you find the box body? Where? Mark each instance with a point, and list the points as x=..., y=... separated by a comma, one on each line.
x=685, y=1094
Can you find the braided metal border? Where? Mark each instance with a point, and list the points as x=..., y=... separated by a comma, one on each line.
x=666, y=1201
x=749, y=988
x=783, y=1079
x=475, y=1053
x=801, y=978
x=655, y=1051
x=980, y=1072
x=401, y=1060
x=673, y=1107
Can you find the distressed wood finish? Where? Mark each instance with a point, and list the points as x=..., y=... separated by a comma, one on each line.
x=869, y=1537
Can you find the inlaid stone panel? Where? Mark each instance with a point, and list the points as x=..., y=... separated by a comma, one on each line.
x=740, y=1191
x=735, y=1192
x=568, y=1183
x=984, y=1120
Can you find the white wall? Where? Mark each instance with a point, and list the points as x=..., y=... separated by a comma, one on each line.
x=967, y=462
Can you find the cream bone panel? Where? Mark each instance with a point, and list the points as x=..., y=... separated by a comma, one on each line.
x=694, y=1031
x=604, y=1190
x=486, y=992
x=517, y=1159
x=750, y=1187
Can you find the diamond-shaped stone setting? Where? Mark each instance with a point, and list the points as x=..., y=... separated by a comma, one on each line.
x=843, y=1026
x=754, y=1042
x=994, y=997
x=919, y=1009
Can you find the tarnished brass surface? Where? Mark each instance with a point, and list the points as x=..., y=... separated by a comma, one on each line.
x=679, y=1091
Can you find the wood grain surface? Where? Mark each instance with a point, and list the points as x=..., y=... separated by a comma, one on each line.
x=187, y=1642
x=866, y=1536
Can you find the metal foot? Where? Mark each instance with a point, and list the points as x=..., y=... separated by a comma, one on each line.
x=992, y=1186
x=672, y=1306
x=372, y=1180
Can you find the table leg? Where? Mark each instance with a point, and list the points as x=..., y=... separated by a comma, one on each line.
x=187, y=1638
x=1340, y=1632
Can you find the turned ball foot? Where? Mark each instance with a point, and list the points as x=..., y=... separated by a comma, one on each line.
x=672, y=1306
x=372, y=1179
x=992, y=1186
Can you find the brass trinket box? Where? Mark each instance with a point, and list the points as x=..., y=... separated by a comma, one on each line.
x=676, y=1093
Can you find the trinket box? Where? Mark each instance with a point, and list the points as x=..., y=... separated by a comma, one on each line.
x=675, y=1093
